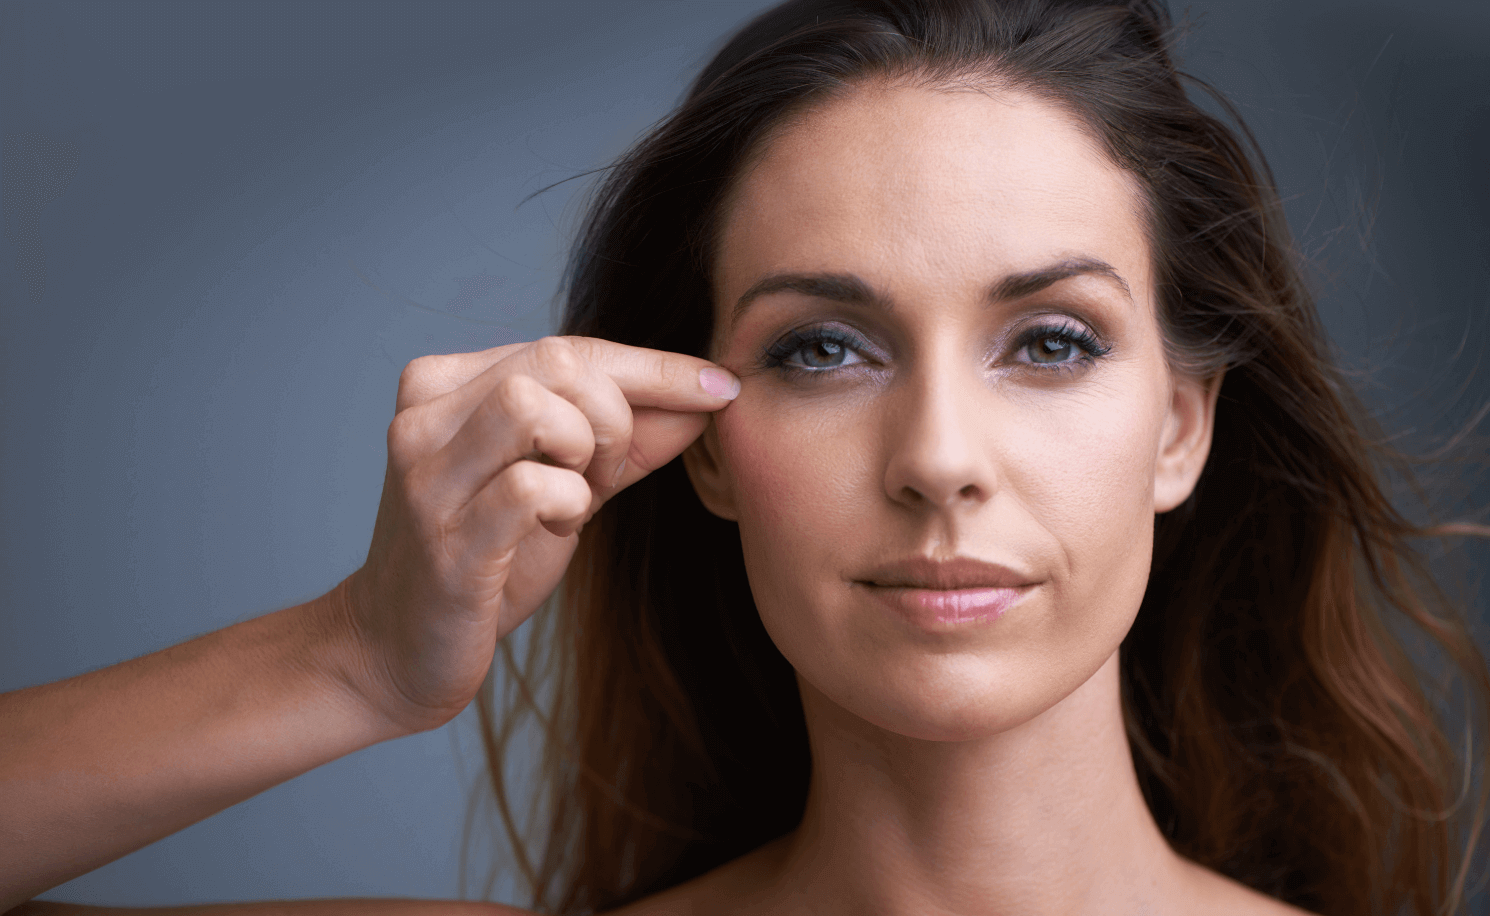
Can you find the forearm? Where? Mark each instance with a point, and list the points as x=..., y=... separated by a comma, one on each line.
x=99, y=765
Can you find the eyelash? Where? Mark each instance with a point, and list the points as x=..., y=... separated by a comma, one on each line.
x=778, y=354
x=796, y=341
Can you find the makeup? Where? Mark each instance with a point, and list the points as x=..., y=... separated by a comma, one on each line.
x=940, y=608
x=935, y=594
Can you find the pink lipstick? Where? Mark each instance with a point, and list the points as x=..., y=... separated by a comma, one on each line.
x=939, y=607
x=935, y=594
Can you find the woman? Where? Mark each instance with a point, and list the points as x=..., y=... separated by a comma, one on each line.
x=956, y=509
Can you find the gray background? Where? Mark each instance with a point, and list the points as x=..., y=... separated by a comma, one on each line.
x=229, y=225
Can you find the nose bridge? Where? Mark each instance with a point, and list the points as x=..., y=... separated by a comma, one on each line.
x=937, y=453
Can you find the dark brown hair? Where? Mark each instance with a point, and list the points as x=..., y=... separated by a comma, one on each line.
x=1282, y=732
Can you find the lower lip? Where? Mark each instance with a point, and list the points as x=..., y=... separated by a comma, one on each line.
x=953, y=607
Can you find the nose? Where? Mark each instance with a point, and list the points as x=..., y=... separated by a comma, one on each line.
x=938, y=444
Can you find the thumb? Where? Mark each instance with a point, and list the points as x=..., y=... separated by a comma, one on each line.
x=657, y=437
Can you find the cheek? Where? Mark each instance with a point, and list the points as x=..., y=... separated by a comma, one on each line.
x=797, y=470
x=1091, y=463
x=1089, y=484
x=804, y=493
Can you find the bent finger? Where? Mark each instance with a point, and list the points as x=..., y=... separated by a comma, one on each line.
x=565, y=371
x=559, y=368
x=519, y=419
x=658, y=436
x=523, y=496
x=429, y=377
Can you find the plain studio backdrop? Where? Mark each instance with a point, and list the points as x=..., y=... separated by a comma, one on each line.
x=229, y=225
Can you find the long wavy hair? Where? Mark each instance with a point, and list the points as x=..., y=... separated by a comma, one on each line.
x=1281, y=684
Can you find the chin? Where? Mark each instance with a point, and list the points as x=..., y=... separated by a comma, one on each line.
x=947, y=698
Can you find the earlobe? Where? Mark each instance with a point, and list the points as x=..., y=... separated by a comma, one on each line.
x=706, y=473
x=1187, y=440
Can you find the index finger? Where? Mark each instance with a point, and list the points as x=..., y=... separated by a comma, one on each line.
x=659, y=378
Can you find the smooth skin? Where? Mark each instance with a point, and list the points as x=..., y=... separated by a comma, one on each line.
x=974, y=768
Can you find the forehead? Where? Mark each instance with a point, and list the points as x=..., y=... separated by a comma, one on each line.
x=931, y=191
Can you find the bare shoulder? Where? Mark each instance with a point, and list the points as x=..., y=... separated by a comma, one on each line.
x=1221, y=896
x=732, y=889
x=736, y=889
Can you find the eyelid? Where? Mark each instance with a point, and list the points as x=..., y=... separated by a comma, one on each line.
x=1046, y=320
x=777, y=355
x=1065, y=327
x=1088, y=343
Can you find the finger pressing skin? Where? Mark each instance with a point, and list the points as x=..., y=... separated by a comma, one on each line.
x=518, y=419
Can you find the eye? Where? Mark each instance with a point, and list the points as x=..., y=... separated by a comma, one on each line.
x=1060, y=347
x=814, y=350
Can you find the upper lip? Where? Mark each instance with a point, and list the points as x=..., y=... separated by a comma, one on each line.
x=944, y=575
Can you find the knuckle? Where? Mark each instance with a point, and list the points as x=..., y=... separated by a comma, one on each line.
x=406, y=432
x=413, y=372
x=583, y=347
x=668, y=372
x=523, y=483
x=427, y=377
x=558, y=358
x=518, y=398
x=417, y=375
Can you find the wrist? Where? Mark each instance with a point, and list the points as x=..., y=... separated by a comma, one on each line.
x=346, y=659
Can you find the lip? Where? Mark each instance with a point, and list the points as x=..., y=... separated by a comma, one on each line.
x=956, y=574
x=935, y=595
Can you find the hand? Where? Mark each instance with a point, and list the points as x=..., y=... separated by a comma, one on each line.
x=495, y=461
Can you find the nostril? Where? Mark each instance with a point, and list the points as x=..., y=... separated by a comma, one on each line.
x=969, y=493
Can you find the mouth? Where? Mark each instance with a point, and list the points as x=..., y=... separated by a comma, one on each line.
x=956, y=574
x=934, y=608
x=934, y=594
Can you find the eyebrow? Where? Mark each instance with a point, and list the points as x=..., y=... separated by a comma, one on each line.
x=850, y=288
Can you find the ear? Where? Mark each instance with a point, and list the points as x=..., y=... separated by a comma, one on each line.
x=710, y=480
x=1187, y=439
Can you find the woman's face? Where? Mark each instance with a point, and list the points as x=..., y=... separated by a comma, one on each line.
x=941, y=307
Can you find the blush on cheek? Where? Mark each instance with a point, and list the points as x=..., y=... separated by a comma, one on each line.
x=759, y=465
x=795, y=477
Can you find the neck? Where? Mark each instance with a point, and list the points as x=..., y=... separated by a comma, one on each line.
x=1044, y=818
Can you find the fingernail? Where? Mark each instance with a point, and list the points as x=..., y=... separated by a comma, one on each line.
x=721, y=383
x=620, y=469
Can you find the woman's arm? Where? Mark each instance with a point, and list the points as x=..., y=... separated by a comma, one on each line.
x=99, y=765
x=495, y=460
